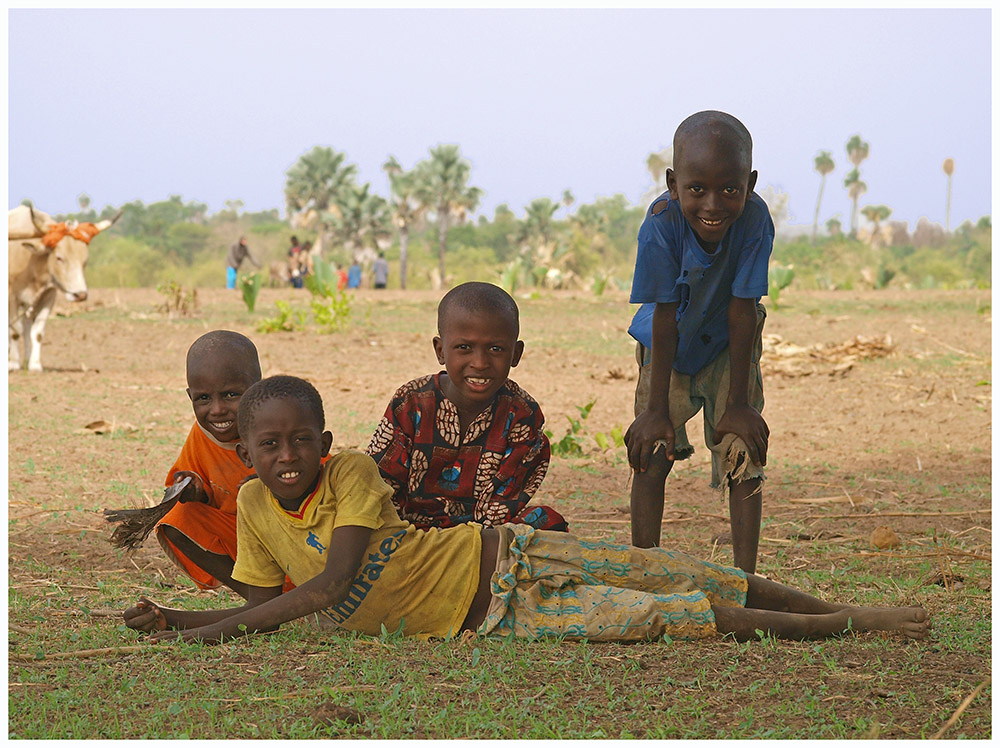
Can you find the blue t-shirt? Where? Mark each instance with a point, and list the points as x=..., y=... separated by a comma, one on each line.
x=671, y=266
x=354, y=276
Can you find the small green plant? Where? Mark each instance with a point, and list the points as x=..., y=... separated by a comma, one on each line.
x=250, y=286
x=883, y=276
x=778, y=278
x=178, y=299
x=322, y=281
x=510, y=276
x=570, y=445
x=613, y=438
x=287, y=319
x=599, y=283
x=332, y=313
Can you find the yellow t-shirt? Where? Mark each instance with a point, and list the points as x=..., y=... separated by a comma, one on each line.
x=425, y=579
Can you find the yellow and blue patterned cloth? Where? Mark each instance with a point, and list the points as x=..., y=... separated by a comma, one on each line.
x=554, y=584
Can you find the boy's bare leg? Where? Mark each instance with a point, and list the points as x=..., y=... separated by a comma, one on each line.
x=647, y=500
x=744, y=623
x=764, y=594
x=219, y=566
x=745, y=500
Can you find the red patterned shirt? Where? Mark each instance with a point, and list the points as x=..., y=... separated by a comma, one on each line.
x=440, y=479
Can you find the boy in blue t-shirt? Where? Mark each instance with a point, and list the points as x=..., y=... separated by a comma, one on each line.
x=700, y=272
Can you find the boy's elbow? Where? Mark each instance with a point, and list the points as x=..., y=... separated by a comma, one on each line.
x=333, y=592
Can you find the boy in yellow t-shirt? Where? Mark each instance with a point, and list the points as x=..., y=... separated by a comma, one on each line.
x=334, y=531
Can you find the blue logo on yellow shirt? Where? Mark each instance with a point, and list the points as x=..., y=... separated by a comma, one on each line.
x=369, y=573
x=313, y=541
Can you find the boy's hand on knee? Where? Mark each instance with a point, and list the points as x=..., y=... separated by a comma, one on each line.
x=195, y=490
x=145, y=616
x=750, y=426
x=641, y=437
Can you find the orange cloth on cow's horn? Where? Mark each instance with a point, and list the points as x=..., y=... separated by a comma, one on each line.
x=84, y=232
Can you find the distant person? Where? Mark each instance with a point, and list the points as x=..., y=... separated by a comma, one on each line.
x=700, y=271
x=341, y=277
x=294, y=262
x=354, y=275
x=380, y=271
x=306, y=258
x=237, y=253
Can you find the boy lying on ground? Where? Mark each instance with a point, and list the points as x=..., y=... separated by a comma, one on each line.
x=334, y=531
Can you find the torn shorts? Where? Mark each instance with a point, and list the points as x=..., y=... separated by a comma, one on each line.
x=707, y=390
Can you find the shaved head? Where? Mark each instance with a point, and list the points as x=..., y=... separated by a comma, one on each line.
x=722, y=129
x=478, y=298
x=225, y=349
x=280, y=387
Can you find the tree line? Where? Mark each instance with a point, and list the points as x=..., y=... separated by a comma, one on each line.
x=423, y=227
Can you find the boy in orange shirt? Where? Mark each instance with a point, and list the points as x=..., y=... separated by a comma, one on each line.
x=199, y=533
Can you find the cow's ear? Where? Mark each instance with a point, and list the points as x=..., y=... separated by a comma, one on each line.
x=36, y=248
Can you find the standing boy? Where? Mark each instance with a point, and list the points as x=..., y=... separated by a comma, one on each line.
x=466, y=444
x=700, y=271
x=199, y=532
x=380, y=271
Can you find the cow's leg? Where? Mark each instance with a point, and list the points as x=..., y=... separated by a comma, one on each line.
x=13, y=353
x=33, y=336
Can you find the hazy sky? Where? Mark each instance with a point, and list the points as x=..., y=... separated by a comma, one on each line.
x=216, y=105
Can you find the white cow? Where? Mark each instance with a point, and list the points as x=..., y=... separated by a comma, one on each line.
x=44, y=257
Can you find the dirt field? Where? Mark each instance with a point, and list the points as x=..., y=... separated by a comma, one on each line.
x=899, y=440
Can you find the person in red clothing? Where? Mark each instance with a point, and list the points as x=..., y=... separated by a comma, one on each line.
x=199, y=532
x=466, y=444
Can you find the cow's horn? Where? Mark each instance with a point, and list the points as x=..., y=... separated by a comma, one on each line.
x=106, y=223
x=42, y=228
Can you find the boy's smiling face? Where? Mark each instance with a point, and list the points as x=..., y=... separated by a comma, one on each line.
x=215, y=387
x=477, y=350
x=712, y=181
x=284, y=446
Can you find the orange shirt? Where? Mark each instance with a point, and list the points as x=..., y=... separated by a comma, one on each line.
x=220, y=469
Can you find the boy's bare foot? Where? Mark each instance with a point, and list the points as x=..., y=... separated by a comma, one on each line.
x=912, y=622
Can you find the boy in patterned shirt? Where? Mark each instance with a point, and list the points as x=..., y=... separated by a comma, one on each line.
x=334, y=530
x=466, y=444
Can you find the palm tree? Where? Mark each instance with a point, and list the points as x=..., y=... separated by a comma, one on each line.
x=657, y=164
x=857, y=151
x=834, y=227
x=855, y=189
x=949, y=169
x=442, y=187
x=318, y=181
x=824, y=165
x=538, y=218
x=361, y=220
x=406, y=210
x=568, y=200
x=876, y=214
